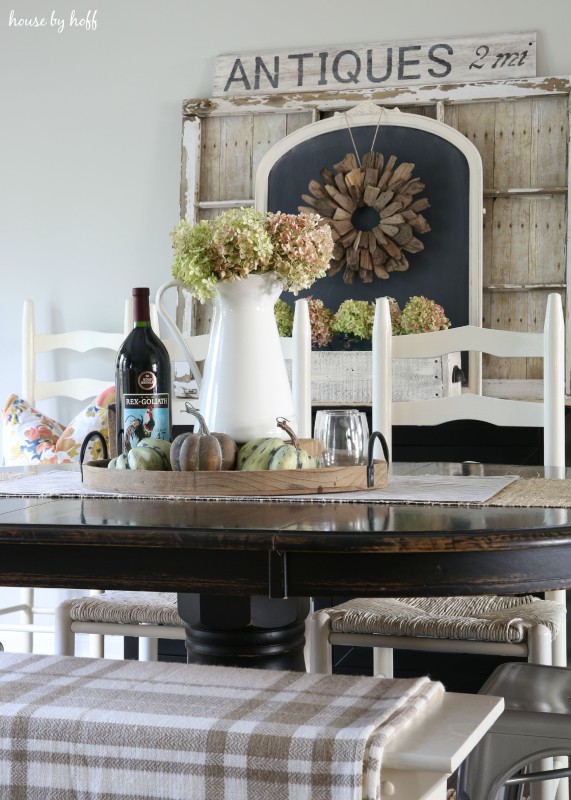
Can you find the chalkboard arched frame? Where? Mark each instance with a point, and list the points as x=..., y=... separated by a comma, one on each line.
x=449, y=269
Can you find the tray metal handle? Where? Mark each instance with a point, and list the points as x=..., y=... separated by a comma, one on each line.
x=370, y=463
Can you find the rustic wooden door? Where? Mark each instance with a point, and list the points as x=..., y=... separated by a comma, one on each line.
x=521, y=130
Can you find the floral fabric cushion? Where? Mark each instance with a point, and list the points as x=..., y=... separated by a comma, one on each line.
x=30, y=437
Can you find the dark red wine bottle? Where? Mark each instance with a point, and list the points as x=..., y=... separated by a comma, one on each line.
x=142, y=381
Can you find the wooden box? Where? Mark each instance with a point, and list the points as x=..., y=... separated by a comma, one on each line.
x=344, y=377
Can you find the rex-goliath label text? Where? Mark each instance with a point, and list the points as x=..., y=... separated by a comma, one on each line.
x=477, y=58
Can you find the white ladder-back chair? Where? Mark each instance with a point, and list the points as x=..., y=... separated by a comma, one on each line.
x=547, y=345
x=440, y=624
x=81, y=341
x=145, y=615
x=35, y=391
x=150, y=616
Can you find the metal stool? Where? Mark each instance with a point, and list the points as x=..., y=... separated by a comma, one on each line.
x=535, y=726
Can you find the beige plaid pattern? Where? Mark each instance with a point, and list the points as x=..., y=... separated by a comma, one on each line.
x=94, y=729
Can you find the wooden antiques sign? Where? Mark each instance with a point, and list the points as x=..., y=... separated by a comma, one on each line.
x=405, y=63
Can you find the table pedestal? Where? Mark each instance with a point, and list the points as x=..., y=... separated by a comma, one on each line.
x=244, y=631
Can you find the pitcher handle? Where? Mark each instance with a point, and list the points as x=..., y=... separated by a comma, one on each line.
x=195, y=372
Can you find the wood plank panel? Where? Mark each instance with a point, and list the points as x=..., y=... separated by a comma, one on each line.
x=536, y=307
x=508, y=310
x=512, y=144
x=547, y=224
x=477, y=122
x=231, y=148
x=298, y=119
x=236, y=158
x=510, y=241
x=267, y=130
x=487, y=310
x=487, y=241
x=209, y=180
x=549, y=142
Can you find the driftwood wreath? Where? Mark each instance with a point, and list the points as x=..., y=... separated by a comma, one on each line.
x=372, y=213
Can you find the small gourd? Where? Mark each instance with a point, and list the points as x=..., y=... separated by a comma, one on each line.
x=291, y=456
x=161, y=449
x=144, y=458
x=257, y=453
x=203, y=451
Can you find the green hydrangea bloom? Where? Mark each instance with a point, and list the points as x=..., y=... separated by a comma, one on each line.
x=355, y=318
x=284, y=318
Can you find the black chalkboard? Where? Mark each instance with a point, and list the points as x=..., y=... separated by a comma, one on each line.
x=441, y=270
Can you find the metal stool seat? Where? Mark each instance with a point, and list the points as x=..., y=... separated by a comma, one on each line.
x=536, y=725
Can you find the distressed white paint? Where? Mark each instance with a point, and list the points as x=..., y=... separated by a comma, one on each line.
x=337, y=100
x=190, y=169
x=408, y=62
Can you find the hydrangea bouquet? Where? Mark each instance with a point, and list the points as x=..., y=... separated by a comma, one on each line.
x=296, y=247
x=353, y=320
x=320, y=318
x=419, y=315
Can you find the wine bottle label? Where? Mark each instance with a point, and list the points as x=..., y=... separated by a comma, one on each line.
x=145, y=416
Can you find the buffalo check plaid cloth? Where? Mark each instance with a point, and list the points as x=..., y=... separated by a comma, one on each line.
x=94, y=729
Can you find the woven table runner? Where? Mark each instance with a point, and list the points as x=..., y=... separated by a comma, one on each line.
x=496, y=490
x=128, y=730
x=534, y=492
x=6, y=476
x=431, y=489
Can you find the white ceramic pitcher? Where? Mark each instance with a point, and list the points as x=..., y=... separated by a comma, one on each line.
x=245, y=386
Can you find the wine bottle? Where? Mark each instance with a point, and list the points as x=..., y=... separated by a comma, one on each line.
x=142, y=381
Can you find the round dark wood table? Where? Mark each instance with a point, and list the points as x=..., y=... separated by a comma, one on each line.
x=244, y=570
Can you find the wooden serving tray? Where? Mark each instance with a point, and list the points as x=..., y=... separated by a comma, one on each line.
x=232, y=483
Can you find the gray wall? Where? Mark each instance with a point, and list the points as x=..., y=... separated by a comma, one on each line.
x=90, y=129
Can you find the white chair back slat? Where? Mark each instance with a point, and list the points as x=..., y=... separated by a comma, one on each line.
x=79, y=341
x=382, y=375
x=28, y=357
x=548, y=345
x=504, y=344
x=468, y=406
x=301, y=367
x=554, y=383
x=76, y=388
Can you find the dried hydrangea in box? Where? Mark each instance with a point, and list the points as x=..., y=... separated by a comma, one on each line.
x=341, y=358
